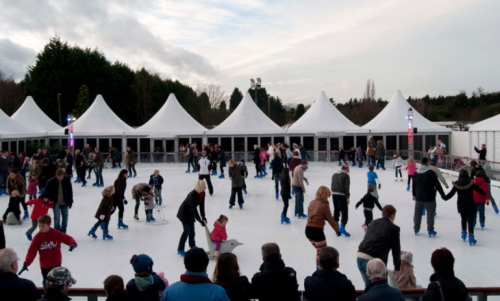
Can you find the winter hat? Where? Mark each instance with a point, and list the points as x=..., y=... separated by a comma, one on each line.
x=141, y=263
x=407, y=256
x=60, y=276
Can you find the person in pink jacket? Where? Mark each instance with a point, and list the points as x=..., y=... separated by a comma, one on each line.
x=219, y=234
x=263, y=156
x=411, y=166
x=32, y=185
x=479, y=199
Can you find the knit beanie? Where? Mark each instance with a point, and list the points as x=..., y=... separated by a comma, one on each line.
x=407, y=256
x=141, y=263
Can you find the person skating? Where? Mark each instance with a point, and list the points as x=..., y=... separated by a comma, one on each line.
x=48, y=171
x=359, y=157
x=368, y=201
x=142, y=191
x=214, y=157
x=277, y=168
x=17, y=182
x=156, y=180
x=298, y=181
x=397, y=164
x=131, y=161
x=79, y=159
x=256, y=161
x=103, y=213
x=351, y=155
x=373, y=180
x=41, y=208
x=370, y=153
x=286, y=188
x=60, y=190
x=119, y=197
x=13, y=207
x=190, y=156
x=341, y=156
x=195, y=157
x=263, y=157
x=222, y=161
x=204, y=166
x=481, y=200
x=477, y=167
x=411, y=166
x=341, y=183
x=236, y=174
x=99, y=165
x=380, y=152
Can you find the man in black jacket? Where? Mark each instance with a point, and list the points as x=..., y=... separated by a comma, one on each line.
x=11, y=286
x=425, y=184
x=60, y=191
x=381, y=237
x=274, y=282
x=277, y=168
x=327, y=283
x=481, y=152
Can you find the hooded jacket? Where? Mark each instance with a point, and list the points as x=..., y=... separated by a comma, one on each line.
x=219, y=232
x=478, y=198
x=464, y=187
x=425, y=183
x=452, y=288
x=325, y=285
x=105, y=208
x=145, y=287
x=275, y=282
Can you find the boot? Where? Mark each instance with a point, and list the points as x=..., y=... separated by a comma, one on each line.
x=472, y=241
x=340, y=164
x=92, y=233
x=408, y=188
x=241, y=206
x=464, y=235
x=353, y=163
x=431, y=233
x=182, y=253
x=360, y=165
x=121, y=224
x=26, y=215
x=285, y=219
x=245, y=191
x=136, y=217
x=343, y=231
x=188, y=171
x=84, y=184
x=151, y=218
x=277, y=196
x=28, y=235
x=89, y=177
x=231, y=206
x=482, y=225
x=495, y=208
x=105, y=236
x=416, y=231
x=302, y=216
x=221, y=176
x=148, y=218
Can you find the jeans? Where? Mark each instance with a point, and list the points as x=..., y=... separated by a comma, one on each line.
x=277, y=179
x=480, y=210
x=396, y=170
x=467, y=220
x=417, y=216
x=188, y=231
x=362, y=263
x=234, y=191
x=209, y=183
x=157, y=192
x=131, y=167
x=98, y=174
x=105, y=226
x=340, y=207
x=60, y=210
x=137, y=204
x=299, y=200
x=190, y=162
x=381, y=162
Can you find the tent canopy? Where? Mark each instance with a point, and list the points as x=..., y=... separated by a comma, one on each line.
x=392, y=119
x=490, y=124
x=170, y=121
x=98, y=120
x=247, y=119
x=323, y=116
x=10, y=129
x=31, y=116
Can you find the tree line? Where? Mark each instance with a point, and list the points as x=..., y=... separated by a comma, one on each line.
x=75, y=76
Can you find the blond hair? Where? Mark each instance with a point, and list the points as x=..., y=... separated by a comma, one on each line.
x=410, y=160
x=323, y=193
x=199, y=185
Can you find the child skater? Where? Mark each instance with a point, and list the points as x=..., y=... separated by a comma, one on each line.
x=369, y=201
x=373, y=181
x=341, y=156
x=13, y=207
x=32, y=185
x=219, y=233
x=405, y=278
x=81, y=171
x=397, y=164
x=103, y=213
x=359, y=157
x=155, y=180
x=286, y=187
x=41, y=208
x=479, y=199
x=263, y=157
x=411, y=166
x=47, y=242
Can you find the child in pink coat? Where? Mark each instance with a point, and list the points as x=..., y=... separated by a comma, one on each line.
x=411, y=166
x=219, y=234
x=263, y=156
x=32, y=185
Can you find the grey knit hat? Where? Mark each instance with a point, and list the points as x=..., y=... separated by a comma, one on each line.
x=407, y=256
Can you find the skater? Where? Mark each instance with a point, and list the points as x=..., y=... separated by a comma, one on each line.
x=13, y=207
x=60, y=191
x=214, y=157
x=81, y=171
x=270, y=151
x=319, y=212
x=130, y=159
x=424, y=189
x=204, y=171
x=99, y=164
x=368, y=201
x=48, y=171
x=32, y=184
x=86, y=151
x=190, y=156
x=298, y=180
x=359, y=156
x=411, y=166
x=397, y=164
x=69, y=160
x=155, y=180
x=222, y=161
x=405, y=278
x=294, y=161
x=479, y=199
x=219, y=233
x=263, y=157
x=115, y=157
x=236, y=174
x=195, y=157
x=103, y=213
x=277, y=169
x=477, y=167
x=286, y=187
x=370, y=153
x=41, y=208
x=351, y=155
x=341, y=183
x=188, y=214
x=341, y=156
x=373, y=181
x=47, y=242
x=256, y=161
x=380, y=152
x=119, y=199
x=17, y=182
x=464, y=187
x=141, y=191
x=91, y=165
x=78, y=160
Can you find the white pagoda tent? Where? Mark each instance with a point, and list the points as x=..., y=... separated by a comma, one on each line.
x=11, y=129
x=486, y=132
x=31, y=116
x=392, y=124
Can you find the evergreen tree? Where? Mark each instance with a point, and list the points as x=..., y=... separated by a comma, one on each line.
x=299, y=111
x=82, y=102
x=235, y=99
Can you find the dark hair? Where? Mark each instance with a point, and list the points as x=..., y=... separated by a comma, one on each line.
x=388, y=211
x=270, y=250
x=424, y=161
x=59, y=172
x=370, y=167
x=146, y=189
x=328, y=258
x=196, y=260
x=121, y=173
x=304, y=162
x=45, y=161
x=442, y=261
x=286, y=173
x=479, y=174
x=45, y=219
x=222, y=218
x=473, y=163
x=464, y=174
x=14, y=170
x=226, y=268
x=370, y=190
x=113, y=285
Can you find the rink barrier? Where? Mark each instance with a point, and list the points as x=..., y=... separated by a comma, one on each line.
x=478, y=293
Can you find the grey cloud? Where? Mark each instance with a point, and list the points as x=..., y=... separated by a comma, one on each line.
x=14, y=59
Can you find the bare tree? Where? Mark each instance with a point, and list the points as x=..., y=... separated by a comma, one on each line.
x=368, y=97
x=11, y=94
x=214, y=92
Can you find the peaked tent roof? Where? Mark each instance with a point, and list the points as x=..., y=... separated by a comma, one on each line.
x=323, y=116
x=392, y=119
x=247, y=119
x=170, y=121
x=31, y=116
x=98, y=120
x=10, y=128
x=490, y=124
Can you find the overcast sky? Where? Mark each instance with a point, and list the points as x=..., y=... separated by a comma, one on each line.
x=298, y=48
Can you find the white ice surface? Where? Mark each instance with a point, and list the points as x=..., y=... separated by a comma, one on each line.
x=258, y=223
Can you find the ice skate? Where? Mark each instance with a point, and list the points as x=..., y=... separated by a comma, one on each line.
x=277, y=196
x=122, y=225
x=495, y=208
x=343, y=231
x=241, y=206
x=285, y=219
x=148, y=218
x=302, y=216
x=365, y=227
x=396, y=179
x=472, y=241
x=28, y=235
x=151, y=218
x=92, y=233
x=464, y=235
x=482, y=226
x=221, y=176
x=340, y=164
x=136, y=217
x=182, y=253
x=26, y=215
x=431, y=233
x=408, y=188
x=84, y=184
x=416, y=231
x=245, y=191
x=231, y=206
x=105, y=236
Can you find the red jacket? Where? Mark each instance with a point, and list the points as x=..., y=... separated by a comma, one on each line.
x=49, y=246
x=481, y=183
x=40, y=207
x=219, y=232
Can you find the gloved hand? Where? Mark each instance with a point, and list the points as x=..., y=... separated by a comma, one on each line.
x=101, y=217
x=204, y=219
x=70, y=205
x=379, y=186
x=125, y=202
x=73, y=246
x=25, y=268
x=202, y=223
x=487, y=202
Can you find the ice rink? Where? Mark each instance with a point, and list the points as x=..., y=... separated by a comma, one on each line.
x=258, y=223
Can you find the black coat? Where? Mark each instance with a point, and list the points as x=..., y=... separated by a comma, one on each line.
x=54, y=296
x=188, y=212
x=2, y=236
x=425, y=183
x=120, y=187
x=326, y=285
x=222, y=159
x=158, y=181
x=237, y=290
x=382, y=236
x=256, y=156
x=13, y=207
x=452, y=287
x=464, y=187
x=481, y=169
x=481, y=152
x=14, y=288
x=47, y=173
x=369, y=201
x=52, y=190
x=78, y=159
x=286, y=188
x=275, y=282
x=277, y=165
x=105, y=208
x=151, y=294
